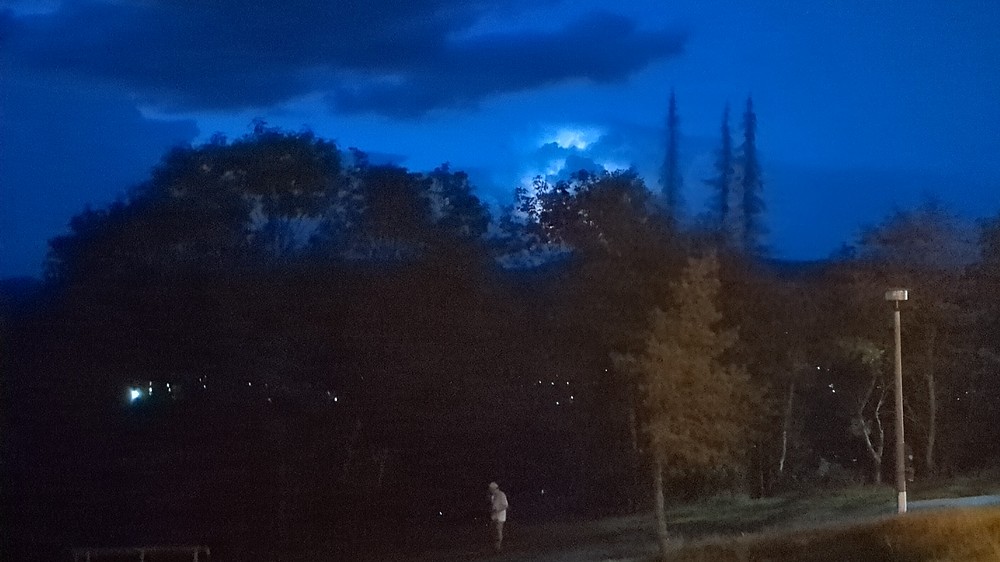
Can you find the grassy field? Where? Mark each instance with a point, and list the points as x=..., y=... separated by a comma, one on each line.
x=854, y=523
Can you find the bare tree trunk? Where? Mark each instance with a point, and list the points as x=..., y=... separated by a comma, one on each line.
x=661, y=512
x=931, y=403
x=761, y=465
x=784, y=427
x=876, y=449
x=881, y=438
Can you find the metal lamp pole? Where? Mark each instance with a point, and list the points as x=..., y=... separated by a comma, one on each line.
x=896, y=295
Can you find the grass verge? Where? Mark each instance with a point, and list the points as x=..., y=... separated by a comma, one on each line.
x=970, y=535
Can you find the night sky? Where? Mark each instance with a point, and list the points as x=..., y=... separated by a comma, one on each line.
x=862, y=106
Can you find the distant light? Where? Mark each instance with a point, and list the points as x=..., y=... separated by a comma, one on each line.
x=567, y=383
x=557, y=402
x=134, y=394
x=818, y=367
x=249, y=383
x=335, y=398
x=439, y=513
x=543, y=491
x=570, y=396
x=553, y=383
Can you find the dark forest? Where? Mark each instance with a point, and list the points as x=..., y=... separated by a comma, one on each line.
x=275, y=343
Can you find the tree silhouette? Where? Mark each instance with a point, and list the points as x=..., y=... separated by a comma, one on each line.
x=722, y=183
x=670, y=176
x=752, y=202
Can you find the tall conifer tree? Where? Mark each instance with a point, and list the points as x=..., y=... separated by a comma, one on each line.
x=670, y=176
x=751, y=185
x=698, y=409
x=721, y=183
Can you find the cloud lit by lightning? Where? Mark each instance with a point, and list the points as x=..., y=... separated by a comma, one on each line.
x=574, y=137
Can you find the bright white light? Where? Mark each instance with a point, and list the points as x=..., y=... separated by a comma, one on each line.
x=249, y=383
x=134, y=394
x=557, y=402
x=574, y=137
x=334, y=398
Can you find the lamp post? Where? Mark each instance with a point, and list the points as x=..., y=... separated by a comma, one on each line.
x=896, y=295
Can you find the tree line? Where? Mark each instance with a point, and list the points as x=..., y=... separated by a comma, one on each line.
x=347, y=343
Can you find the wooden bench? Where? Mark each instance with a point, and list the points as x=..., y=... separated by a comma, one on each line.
x=90, y=554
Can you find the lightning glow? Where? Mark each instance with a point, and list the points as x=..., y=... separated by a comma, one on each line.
x=573, y=137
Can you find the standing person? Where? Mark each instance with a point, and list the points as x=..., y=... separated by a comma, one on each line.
x=498, y=513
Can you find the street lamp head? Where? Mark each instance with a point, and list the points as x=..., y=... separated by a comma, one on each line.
x=896, y=295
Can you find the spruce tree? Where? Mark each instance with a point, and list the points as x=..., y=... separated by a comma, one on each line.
x=697, y=410
x=670, y=176
x=721, y=183
x=751, y=185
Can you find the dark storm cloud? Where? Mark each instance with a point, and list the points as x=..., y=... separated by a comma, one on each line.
x=387, y=56
x=601, y=48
